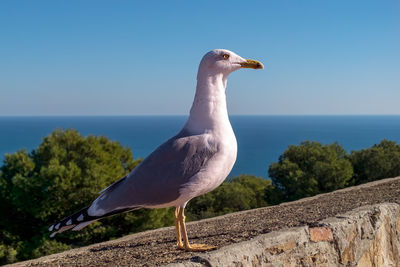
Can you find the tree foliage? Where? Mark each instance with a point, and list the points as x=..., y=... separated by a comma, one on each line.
x=311, y=168
x=380, y=161
x=241, y=193
x=64, y=174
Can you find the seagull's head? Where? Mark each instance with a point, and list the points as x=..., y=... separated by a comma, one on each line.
x=222, y=61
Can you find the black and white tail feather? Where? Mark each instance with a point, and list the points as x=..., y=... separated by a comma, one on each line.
x=81, y=219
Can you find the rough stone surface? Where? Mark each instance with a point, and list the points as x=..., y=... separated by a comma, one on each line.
x=365, y=233
x=367, y=236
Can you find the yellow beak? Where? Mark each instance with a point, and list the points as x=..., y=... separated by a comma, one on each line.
x=253, y=64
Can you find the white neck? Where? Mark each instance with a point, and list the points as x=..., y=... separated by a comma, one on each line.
x=209, y=111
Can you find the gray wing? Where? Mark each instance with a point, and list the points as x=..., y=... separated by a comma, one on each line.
x=159, y=177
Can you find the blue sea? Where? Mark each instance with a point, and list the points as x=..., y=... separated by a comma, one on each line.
x=261, y=139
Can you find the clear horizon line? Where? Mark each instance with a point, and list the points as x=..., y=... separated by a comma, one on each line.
x=160, y=115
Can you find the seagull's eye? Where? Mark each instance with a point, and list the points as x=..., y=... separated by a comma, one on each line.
x=225, y=56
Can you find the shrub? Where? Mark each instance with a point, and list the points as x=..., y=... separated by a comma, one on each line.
x=311, y=168
x=380, y=161
x=241, y=193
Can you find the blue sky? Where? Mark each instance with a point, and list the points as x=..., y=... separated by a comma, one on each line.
x=141, y=57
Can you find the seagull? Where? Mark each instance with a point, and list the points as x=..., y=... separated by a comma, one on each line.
x=193, y=162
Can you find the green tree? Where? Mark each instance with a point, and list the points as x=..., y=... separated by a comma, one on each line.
x=241, y=193
x=64, y=174
x=311, y=168
x=380, y=161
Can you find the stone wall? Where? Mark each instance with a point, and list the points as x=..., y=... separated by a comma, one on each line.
x=355, y=226
x=367, y=236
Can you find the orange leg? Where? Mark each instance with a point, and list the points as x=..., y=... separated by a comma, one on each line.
x=178, y=230
x=181, y=232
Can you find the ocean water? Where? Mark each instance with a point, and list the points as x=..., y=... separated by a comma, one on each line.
x=261, y=139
